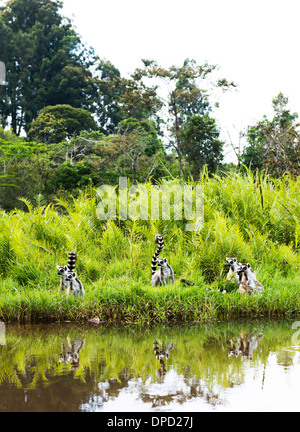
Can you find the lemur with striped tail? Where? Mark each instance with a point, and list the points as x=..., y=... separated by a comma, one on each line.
x=62, y=271
x=165, y=273
x=75, y=286
x=70, y=284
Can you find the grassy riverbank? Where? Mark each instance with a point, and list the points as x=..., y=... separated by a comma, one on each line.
x=254, y=218
x=130, y=302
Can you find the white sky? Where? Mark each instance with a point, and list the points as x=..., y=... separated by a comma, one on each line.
x=255, y=43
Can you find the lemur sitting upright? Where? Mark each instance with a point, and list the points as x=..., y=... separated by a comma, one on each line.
x=234, y=265
x=165, y=273
x=244, y=288
x=62, y=271
x=248, y=277
x=75, y=286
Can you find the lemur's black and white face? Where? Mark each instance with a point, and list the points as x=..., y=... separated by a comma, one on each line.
x=243, y=267
x=231, y=261
x=61, y=271
x=161, y=262
x=70, y=276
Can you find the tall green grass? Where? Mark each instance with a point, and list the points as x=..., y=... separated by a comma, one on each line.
x=250, y=216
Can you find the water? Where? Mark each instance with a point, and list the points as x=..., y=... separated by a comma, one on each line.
x=214, y=367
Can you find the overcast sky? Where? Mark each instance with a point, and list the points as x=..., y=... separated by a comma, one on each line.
x=255, y=43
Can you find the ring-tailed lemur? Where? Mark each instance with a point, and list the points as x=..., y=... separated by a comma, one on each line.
x=234, y=265
x=62, y=271
x=248, y=277
x=244, y=287
x=165, y=273
x=75, y=286
x=160, y=241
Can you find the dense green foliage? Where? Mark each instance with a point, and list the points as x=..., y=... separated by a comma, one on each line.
x=46, y=62
x=56, y=88
x=57, y=123
x=274, y=145
x=77, y=124
x=157, y=121
x=258, y=224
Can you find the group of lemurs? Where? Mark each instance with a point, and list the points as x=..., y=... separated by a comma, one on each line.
x=240, y=272
x=245, y=277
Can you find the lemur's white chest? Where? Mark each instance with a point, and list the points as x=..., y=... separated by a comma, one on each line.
x=251, y=278
x=166, y=271
x=76, y=286
x=65, y=281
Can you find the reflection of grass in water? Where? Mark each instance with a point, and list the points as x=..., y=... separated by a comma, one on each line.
x=253, y=218
x=32, y=357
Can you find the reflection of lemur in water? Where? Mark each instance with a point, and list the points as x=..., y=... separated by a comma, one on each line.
x=245, y=345
x=161, y=354
x=165, y=274
x=71, y=352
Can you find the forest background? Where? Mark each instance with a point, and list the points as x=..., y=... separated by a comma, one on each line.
x=69, y=119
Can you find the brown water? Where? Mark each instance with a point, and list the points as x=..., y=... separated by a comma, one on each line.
x=217, y=367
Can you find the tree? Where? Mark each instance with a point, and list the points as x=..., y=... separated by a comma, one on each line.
x=145, y=129
x=185, y=96
x=122, y=98
x=201, y=144
x=274, y=144
x=69, y=177
x=45, y=60
x=110, y=87
x=56, y=123
x=139, y=100
x=126, y=154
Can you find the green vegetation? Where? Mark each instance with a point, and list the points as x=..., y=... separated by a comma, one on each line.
x=274, y=145
x=116, y=353
x=77, y=124
x=249, y=216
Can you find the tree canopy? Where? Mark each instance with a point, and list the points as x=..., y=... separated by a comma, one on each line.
x=45, y=60
x=56, y=123
x=201, y=144
x=274, y=145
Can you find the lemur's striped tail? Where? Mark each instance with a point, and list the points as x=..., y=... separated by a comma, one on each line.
x=160, y=241
x=72, y=261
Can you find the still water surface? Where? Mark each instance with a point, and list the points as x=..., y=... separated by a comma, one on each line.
x=216, y=367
